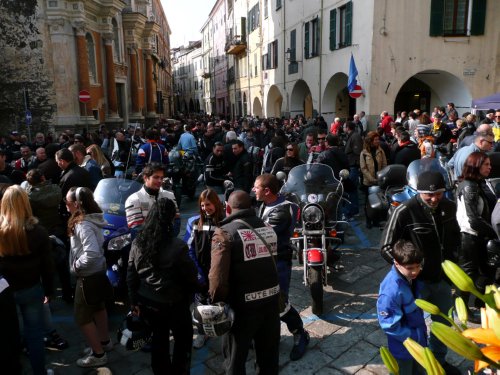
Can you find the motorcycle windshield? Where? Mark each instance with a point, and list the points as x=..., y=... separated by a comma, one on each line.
x=310, y=182
x=416, y=167
x=111, y=194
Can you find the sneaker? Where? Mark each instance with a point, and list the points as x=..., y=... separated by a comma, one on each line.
x=92, y=361
x=107, y=348
x=199, y=341
x=300, y=342
x=55, y=342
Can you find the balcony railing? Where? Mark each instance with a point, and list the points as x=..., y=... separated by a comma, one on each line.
x=235, y=45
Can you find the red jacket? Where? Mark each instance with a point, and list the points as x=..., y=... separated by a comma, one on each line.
x=386, y=124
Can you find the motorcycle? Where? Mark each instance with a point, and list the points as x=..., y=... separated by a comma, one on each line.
x=314, y=188
x=111, y=194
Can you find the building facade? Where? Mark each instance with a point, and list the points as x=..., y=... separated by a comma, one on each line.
x=286, y=58
x=117, y=52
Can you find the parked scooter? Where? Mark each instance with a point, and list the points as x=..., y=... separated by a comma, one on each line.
x=111, y=194
x=318, y=232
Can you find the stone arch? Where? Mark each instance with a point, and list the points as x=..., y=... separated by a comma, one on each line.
x=257, y=107
x=430, y=88
x=336, y=100
x=274, y=102
x=301, y=100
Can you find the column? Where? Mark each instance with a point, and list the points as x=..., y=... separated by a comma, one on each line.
x=150, y=86
x=110, y=78
x=82, y=64
x=134, y=80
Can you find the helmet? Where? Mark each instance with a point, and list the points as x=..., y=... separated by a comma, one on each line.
x=213, y=320
x=134, y=332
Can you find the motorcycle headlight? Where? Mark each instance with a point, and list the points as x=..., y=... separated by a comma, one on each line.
x=119, y=242
x=312, y=215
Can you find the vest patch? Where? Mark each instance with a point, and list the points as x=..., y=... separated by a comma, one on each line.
x=261, y=294
x=253, y=247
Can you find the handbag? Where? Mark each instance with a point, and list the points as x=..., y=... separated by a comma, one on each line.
x=96, y=288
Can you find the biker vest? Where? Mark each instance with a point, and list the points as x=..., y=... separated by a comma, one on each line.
x=253, y=277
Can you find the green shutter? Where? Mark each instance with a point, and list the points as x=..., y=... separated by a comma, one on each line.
x=333, y=29
x=317, y=50
x=348, y=23
x=275, y=54
x=306, y=40
x=437, y=14
x=243, y=29
x=293, y=46
x=478, y=17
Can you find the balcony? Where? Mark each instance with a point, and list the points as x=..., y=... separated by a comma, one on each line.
x=235, y=45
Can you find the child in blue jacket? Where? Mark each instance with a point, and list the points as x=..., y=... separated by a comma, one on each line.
x=398, y=314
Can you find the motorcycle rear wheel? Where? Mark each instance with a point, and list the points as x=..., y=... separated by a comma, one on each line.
x=315, y=279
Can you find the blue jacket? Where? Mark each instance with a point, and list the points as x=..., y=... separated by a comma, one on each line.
x=398, y=315
x=150, y=152
x=458, y=160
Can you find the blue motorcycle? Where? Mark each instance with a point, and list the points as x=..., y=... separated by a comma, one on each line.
x=111, y=194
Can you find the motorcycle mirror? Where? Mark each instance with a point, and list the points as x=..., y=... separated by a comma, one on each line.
x=344, y=174
x=281, y=176
x=228, y=184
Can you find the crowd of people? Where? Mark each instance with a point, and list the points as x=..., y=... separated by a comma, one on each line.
x=48, y=185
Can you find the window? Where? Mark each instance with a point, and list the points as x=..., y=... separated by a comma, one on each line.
x=311, y=38
x=91, y=55
x=253, y=18
x=266, y=6
x=293, y=67
x=341, y=26
x=278, y=4
x=256, y=67
x=270, y=59
x=454, y=17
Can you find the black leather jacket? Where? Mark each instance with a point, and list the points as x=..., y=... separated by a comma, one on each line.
x=435, y=232
x=473, y=212
x=172, y=279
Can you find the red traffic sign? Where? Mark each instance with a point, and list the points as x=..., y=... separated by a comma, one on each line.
x=84, y=96
x=357, y=92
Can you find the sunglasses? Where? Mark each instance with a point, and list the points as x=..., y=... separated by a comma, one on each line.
x=497, y=116
x=289, y=149
x=321, y=139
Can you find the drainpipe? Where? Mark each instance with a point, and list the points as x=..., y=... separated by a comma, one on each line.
x=284, y=56
x=249, y=96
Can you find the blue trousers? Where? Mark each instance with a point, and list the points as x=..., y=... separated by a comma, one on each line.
x=290, y=316
x=353, y=208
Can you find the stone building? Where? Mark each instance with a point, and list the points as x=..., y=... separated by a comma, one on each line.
x=52, y=50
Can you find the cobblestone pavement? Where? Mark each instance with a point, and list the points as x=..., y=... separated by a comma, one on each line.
x=344, y=340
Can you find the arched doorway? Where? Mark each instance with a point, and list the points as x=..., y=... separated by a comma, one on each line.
x=336, y=99
x=257, y=107
x=431, y=88
x=274, y=102
x=301, y=100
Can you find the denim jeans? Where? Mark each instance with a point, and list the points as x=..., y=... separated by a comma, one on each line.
x=440, y=295
x=30, y=309
x=290, y=316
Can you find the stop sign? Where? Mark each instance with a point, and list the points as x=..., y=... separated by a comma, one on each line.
x=84, y=96
x=357, y=92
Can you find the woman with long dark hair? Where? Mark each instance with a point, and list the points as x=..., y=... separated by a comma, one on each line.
x=26, y=265
x=287, y=162
x=88, y=264
x=473, y=216
x=161, y=280
x=199, y=232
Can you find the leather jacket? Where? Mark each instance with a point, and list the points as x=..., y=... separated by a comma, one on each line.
x=473, y=213
x=435, y=232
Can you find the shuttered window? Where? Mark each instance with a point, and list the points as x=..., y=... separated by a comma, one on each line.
x=452, y=17
x=333, y=29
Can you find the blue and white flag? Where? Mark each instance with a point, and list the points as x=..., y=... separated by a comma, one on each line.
x=353, y=73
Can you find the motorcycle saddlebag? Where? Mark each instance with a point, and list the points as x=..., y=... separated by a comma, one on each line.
x=377, y=207
x=392, y=175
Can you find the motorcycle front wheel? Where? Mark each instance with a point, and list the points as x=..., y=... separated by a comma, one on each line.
x=315, y=279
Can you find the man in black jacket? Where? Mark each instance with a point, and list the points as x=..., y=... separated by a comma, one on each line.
x=406, y=151
x=215, y=169
x=241, y=172
x=429, y=221
x=281, y=215
x=243, y=273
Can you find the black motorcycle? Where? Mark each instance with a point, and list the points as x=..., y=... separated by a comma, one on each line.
x=318, y=232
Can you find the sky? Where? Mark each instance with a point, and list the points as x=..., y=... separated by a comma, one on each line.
x=186, y=17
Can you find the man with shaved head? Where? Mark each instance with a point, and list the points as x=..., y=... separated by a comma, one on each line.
x=243, y=274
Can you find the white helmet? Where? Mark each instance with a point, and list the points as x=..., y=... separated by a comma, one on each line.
x=213, y=320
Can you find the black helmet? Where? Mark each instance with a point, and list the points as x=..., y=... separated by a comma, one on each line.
x=134, y=332
x=213, y=320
